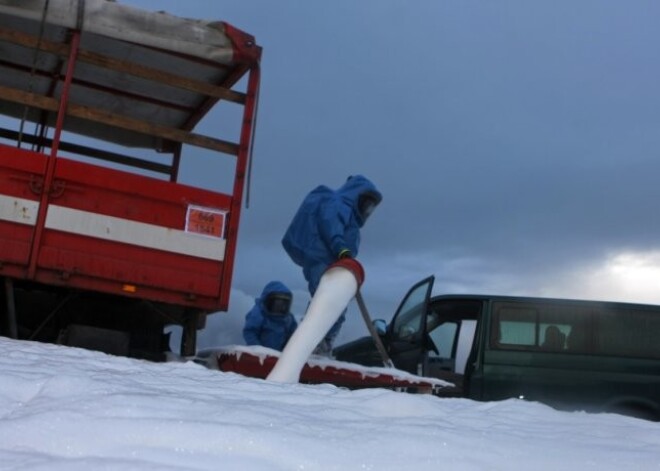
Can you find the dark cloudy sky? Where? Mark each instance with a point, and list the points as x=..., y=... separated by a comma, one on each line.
x=516, y=143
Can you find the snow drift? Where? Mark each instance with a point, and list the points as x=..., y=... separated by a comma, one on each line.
x=70, y=409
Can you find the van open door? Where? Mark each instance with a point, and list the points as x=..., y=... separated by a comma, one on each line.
x=408, y=342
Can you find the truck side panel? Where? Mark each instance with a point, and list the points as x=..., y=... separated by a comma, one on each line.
x=113, y=231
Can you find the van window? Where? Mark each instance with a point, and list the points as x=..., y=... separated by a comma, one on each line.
x=451, y=327
x=517, y=327
x=538, y=327
x=592, y=329
x=443, y=338
x=630, y=333
x=407, y=323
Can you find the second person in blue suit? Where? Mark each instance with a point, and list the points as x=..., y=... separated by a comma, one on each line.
x=270, y=322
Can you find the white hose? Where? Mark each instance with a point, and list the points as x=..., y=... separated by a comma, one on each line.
x=337, y=287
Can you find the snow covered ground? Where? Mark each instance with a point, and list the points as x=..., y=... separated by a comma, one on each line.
x=70, y=409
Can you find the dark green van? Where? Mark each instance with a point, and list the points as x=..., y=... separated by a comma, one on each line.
x=572, y=355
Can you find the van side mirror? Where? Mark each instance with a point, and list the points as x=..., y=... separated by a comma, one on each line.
x=380, y=326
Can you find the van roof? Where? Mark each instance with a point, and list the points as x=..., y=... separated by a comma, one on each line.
x=532, y=299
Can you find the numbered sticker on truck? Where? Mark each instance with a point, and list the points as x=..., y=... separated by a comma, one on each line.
x=206, y=221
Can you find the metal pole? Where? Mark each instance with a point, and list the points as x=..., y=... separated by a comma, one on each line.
x=372, y=330
x=49, y=173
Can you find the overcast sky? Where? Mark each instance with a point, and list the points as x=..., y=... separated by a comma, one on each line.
x=516, y=143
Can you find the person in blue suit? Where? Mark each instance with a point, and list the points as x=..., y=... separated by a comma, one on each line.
x=326, y=228
x=270, y=322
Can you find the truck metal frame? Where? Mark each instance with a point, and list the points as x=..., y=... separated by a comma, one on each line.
x=97, y=235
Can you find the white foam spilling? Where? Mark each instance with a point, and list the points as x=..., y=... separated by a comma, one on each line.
x=337, y=287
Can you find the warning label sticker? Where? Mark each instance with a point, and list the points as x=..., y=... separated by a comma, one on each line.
x=206, y=221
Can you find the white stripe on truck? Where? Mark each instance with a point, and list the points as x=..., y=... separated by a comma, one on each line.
x=20, y=210
x=85, y=223
x=116, y=229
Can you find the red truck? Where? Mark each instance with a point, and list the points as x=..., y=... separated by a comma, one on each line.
x=101, y=245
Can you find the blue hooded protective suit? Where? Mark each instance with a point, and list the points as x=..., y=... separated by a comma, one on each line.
x=265, y=328
x=327, y=222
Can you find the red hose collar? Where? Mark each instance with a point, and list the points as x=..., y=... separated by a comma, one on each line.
x=351, y=265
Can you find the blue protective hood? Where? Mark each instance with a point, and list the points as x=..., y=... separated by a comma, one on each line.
x=351, y=190
x=327, y=222
x=273, y=287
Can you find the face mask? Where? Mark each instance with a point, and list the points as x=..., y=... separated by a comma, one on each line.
x=366, y=205
x=278, y=303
